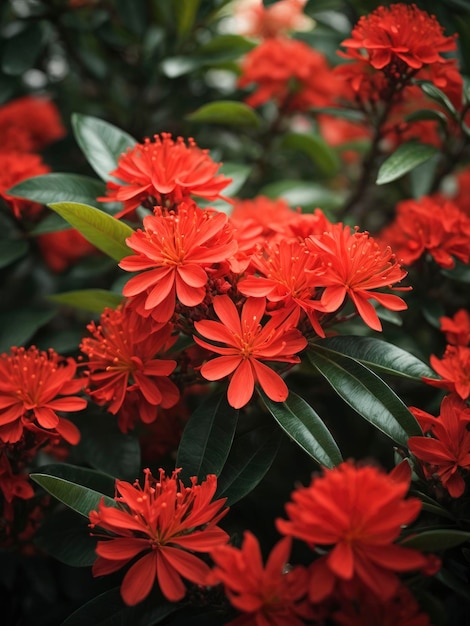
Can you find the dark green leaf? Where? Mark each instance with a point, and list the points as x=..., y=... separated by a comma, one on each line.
x=366, y=393
x=185, y=14
x=82, y=476
x=306, y=428
x=427, y=115
x=454, y=583
x=224, y=48
x=108, y=609
x=250, y=458
x=66, y=536
x=304, y=194
x=317, y=150
x=93, y=300
x=436, y=540
x=22, y=50
x=106, y=448
x=207, y=438
x=11, y=250
x=460, y=273
x=17, y=327
x=58, y=187
x=439, y=96
x=346, y=114
x=78, y=498
x=133, y=15
x=226, y=112
x=50, y=224
x=405, y=158
x=101, y=142
x=380, y=355
x=102, y=230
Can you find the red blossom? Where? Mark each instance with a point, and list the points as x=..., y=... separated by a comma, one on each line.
x=355, y=265
x=247, y=343
x=162, y=524
x=429, y=225
x=457, y=328
x=399, y=39
x=123, y=368
x=289, y=72
x=13, y=485
x=177, y=249
x=29, y=124
x=63, y=248
x=264, y=594
x=164, y=173
x=356, y=513
x=454, y=369
x=14, y=168
x=30, y=383
x=448, y=450
x=254, y=19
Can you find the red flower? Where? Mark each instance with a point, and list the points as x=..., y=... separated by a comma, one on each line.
x=399, y=38
x=258, y=20
x=448, y=451
x=13, y=485
x=288, y=278
x=429, y=225
x=15, y=167
x=273, y=216
x=123, y=366
x=266, y=595
x=63, y=248
x=289, y=72
x=360, y=511
x=29, y=124
x=247, y=344
x=177, y=249
x=457, y=328
x=454, y=368
x=161, y=524
x=30, y=381
x=164, y=173
x=355, y=266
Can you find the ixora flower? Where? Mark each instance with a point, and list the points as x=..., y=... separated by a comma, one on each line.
x=31, y=382
x=355, y=265
x=289, y=72
x=163, y=524
x=246, y=344
x=254, y=19
x=457, y=328
x=399, y=38
x=448, y=450
x=356, y=513
x=176, y=248
x=454, y=369
x=122, y=359
x=264, y=594
x=15, y=167
x=164, y=172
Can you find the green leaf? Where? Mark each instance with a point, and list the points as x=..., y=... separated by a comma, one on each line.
x=460, y=273
x=456, y=584
x=317, y=150
x=22, y=50
x=250, y=458
x=11, y=250
x=50, y=224
x=439, y=539
x=66, y=536
x=106, y=448
x=304, y=194
x=108, y=609
x=226, y=112
x=78, y=498
x=101, y=142
x=19, y=326
x=238, y=173
x=133, y=15
x=438, y=96
x=81, y=476
x=405, y=158
x=207, y=438
x=306, y=428
x=102, y=230
x=366, y=393
x=224, y=48
x=93, y=300
x=59, y=187
x=185, y=14
x=346, y=114
x=380, y=355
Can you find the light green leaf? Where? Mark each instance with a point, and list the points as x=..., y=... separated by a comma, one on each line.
x=317, y=150
x=103, y=231
x=380, y=355
x=59, y=187
x=304, y=194
x=207, y=438
x=185, y=14
x=226, y=112
x=93, y=300
x=405, y=158
x=101, y=142
x=366, y=393
x=306, y=428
